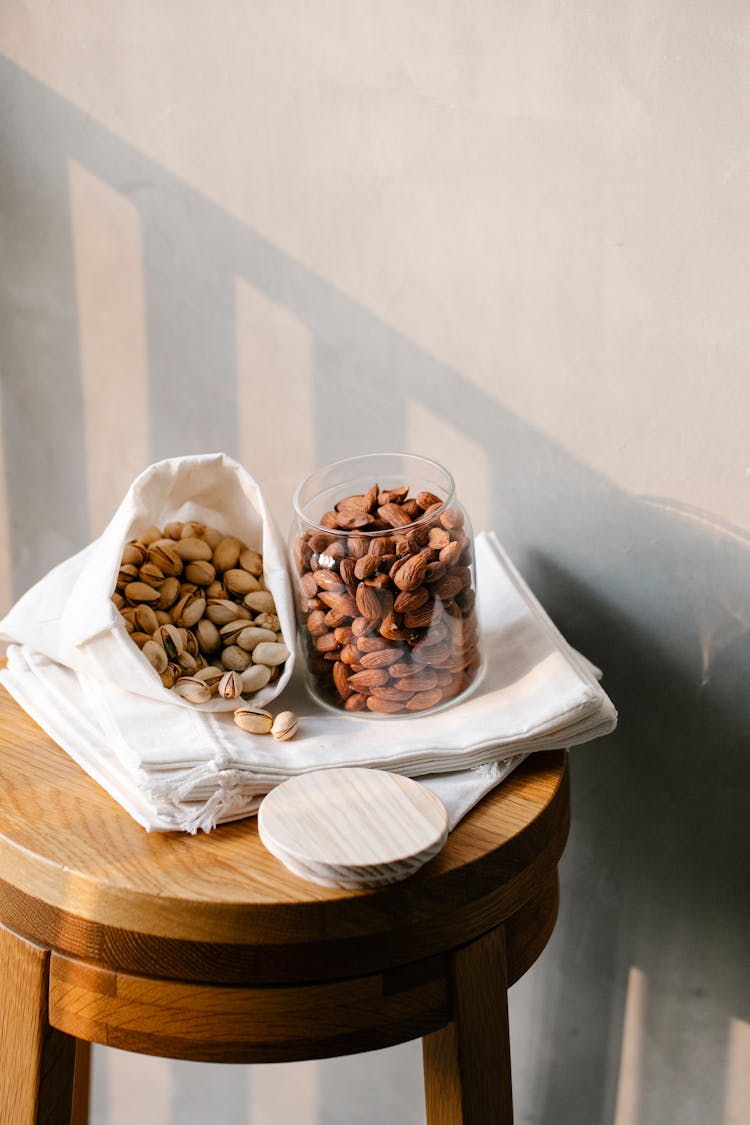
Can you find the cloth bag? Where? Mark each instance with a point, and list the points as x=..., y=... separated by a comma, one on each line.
x=69, y=615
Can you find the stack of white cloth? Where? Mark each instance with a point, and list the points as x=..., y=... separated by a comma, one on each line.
x=174, y=766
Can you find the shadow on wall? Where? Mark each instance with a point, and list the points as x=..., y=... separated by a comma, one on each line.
x=655, y=873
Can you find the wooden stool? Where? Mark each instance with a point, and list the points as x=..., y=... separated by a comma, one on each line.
x=207, y=948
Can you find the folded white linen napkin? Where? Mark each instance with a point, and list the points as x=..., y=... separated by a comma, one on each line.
x=189, y=769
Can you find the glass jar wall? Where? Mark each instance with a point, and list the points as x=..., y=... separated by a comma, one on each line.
x=382, y=554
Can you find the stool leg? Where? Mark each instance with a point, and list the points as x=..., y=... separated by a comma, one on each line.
x=79, y=1114
x=467, y=1064
x=36, y=1060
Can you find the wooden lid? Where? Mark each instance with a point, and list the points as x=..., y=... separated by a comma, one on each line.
x=353, y=827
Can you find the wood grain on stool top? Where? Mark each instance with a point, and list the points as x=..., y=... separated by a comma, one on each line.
x=353, y=827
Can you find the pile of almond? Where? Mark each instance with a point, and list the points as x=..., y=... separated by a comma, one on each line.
x=195, y=603
x=386, y=602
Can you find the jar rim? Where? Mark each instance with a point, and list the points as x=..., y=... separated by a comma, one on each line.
x=363, y=457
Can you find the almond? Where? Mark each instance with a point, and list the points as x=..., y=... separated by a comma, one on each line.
x=326, y=642
x=371, y=643
x=439, y=538
x=355, y=503
x=349, y=654
x=422, y=681
x=368, y=603
x=362, y=625
x=366, y=565
x=410, y=573
x=409, y=600
x=393, y=495
x=452, y=517
x=451, y=553
x=356, y=702
x=382, y=545
x=369, y=677
x=382, y=658
x=341, y=602
x=447, y=587
x=352, y=520
x=423, y=700
x=394, y=515
x=420, y=618
x=327, y=580
x=404, y=669
x=316, y=625
x=341, y=679
x=387, y=691
x=427, y=500
x=383, y=706
x=346, y=570
x=357, y=546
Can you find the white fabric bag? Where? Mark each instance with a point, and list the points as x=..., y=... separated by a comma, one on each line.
x=69, y=615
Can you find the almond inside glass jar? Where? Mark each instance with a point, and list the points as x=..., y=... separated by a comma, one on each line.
x=386, y=602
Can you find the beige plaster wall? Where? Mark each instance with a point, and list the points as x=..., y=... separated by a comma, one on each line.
x=515, y=238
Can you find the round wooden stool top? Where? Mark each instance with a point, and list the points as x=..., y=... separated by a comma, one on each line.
x=80, y=877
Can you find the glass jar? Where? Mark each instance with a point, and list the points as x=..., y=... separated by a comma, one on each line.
x=382, y=554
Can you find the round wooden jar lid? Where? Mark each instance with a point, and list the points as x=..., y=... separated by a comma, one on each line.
x=352, y=827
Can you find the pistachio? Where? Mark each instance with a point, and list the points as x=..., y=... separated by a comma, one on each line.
x=192, y=689
x=155, y=655
x=230, y=685
x=268, y=621
x=200, y=572
x=187, y=663
x=137, y=592
x=211, y=676
x=235, y=659
x=140, y=638
x=169, y=592
x=207, y=636
x=118, y=600
x=213, y=537
x=134, y=554
x=188, y=610
x=250, y=636
x=285, y=726
x=128, y=573
x=255, y=677
x=193, y=529
x=163, y=555
x=173, y=530
x=253, y=719
x=190, y=642
x=191, y=549
x=232, y=629
x=239, y=582
x=170, y=675
x=151, y=574
x=251, y=561
x=227, y=553
x=145, y=619
x=150, y=535
x=261, y=601
x=216, y=590
x=221, y=611
x=270, y=653
x=170, y=638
